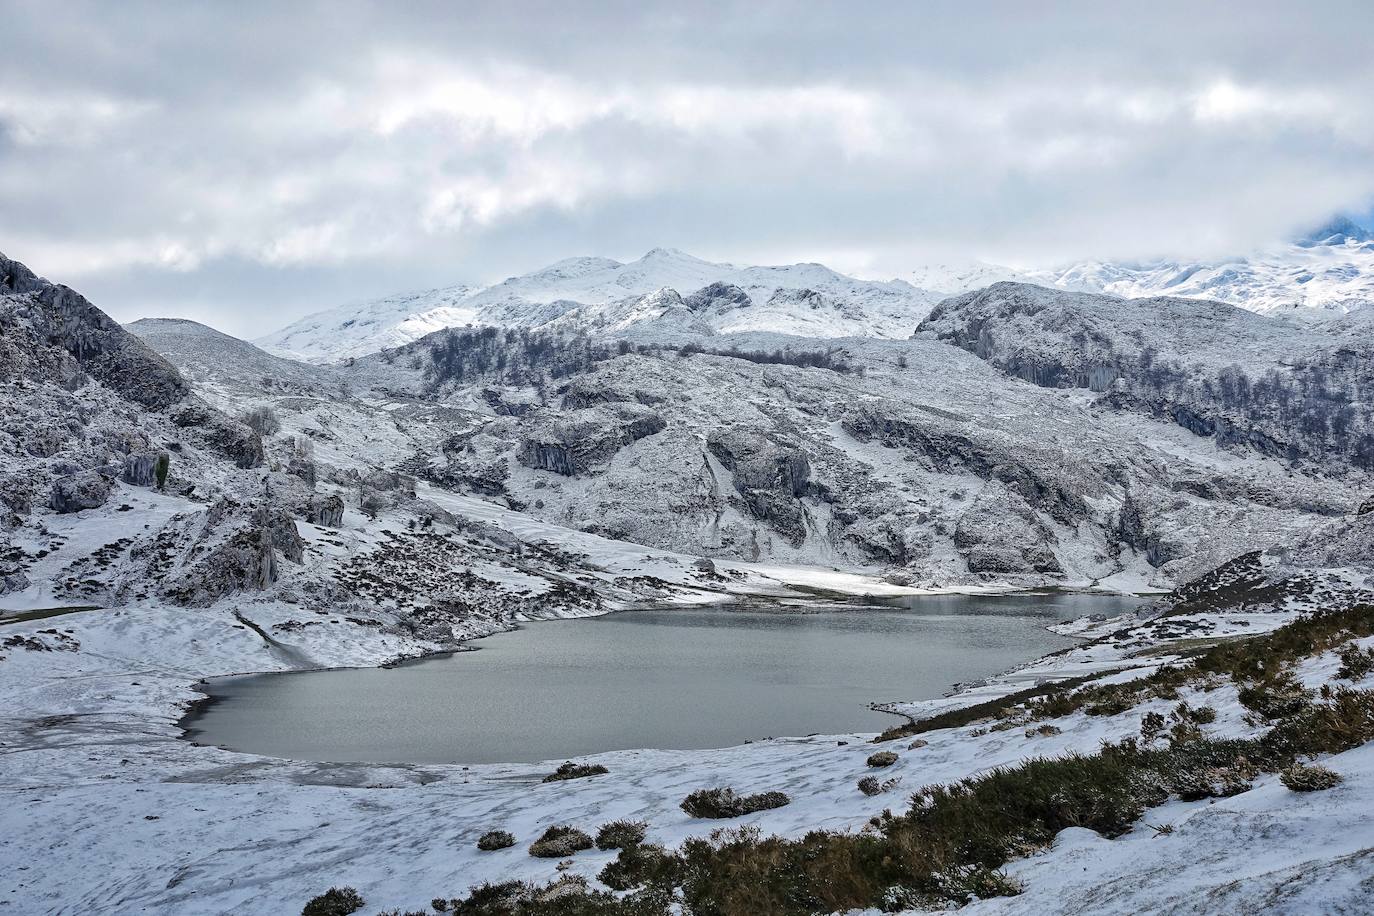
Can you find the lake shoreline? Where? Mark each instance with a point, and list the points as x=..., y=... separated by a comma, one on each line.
x=189, y=723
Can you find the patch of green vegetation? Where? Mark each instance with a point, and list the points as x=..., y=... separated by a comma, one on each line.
x=966, y=715
x=1356, y=663
x=871, y=785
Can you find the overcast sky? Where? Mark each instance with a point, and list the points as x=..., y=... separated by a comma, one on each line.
x=243, y=165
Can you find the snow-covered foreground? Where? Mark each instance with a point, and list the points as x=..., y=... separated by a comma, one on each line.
x=106, y=808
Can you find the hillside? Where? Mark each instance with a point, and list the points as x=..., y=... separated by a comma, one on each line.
x=808, y=299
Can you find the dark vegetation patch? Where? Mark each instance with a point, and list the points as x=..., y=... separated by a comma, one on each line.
x=337, y=901
x=560, y=841
x=814, y=359
x=568, y=896
x=724, y=803
x=495, y=839
x=871, y=785
x=572, y=770
x=621, y=834
x=1303, y=777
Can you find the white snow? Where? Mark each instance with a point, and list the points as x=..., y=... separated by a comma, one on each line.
x=806, y=299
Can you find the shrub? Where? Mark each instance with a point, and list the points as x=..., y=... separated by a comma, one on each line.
x=1301, y=777
x=262, y=420
x=619, y=834
x=882, y=759
x=568, y=896
x=572, y=770
x=1045, y=730
x=559, y=842
x=640, y=864
x=1151, y=727
x=1356, y=663
x=337, y=901
x=870, y=785
x=964, y=884
x=724, y=803
x=1213, y=782
x=495, y=839
x=1277, y=698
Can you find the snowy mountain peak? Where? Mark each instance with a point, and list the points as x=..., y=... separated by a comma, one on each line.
x=1339, y=230
x=609, y=295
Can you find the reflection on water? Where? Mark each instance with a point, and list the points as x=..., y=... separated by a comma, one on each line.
x=667, y=678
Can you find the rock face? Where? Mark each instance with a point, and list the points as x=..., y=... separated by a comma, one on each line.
x=770, y=475
x=97, y=344
x=82, y=490
x=1000, y=534
x=228, y=437
x=140, y=469
x=718, y=298
x=325, y=510
x=1050, y=484
x=577, y=442
x=239, y=553
x=280, y=530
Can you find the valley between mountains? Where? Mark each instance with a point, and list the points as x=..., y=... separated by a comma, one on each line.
x=389, y=481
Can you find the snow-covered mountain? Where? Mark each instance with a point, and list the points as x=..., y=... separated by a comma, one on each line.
x=359, y=328
x=1330, y=269
x=807, y=299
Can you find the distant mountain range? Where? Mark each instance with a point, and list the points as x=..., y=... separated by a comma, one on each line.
x=1329, y=270
x=804, y=299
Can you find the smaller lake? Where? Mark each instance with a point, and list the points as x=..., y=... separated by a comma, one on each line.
x=695, y=677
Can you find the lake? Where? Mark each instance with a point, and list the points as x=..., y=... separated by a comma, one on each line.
x=681, y=677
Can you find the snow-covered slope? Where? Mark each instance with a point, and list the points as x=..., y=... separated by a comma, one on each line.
x=808, y=299
x=1327, y=270
x=366, y=327
x=1330, y=269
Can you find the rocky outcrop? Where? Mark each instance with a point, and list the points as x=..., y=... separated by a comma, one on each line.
x=1046, y=482
x=999, y=535
x=577, y=442
x=326, y=511
x=13, y=581
x=280, y=531
x=140, y=469
x=718, y=298
x=239, y=554
x=81, y=490
x=770, y=476
x=100, y=347
x=226, y=436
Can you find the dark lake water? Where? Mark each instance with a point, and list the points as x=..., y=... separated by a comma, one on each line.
x=665, y=678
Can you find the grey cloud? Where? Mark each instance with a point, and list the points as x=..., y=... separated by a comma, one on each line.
x=245, y=164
